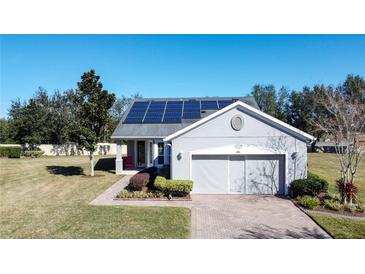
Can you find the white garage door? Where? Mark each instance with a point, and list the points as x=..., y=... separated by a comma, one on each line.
x=246, y=174
x=209, y=173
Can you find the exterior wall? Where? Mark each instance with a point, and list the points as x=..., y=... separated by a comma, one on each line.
x=70, y=149
x=256, y=132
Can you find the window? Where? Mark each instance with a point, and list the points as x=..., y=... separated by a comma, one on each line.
x=160, y=159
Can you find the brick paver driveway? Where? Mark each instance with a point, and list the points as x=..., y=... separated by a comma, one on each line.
x=232, y=216
x=248, y=216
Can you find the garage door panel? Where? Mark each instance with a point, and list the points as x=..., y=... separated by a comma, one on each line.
x=236, y=174
x=263, y=174
x=210, y=173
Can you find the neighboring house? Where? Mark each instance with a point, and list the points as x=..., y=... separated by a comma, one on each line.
x=225, y=145
x=328, y=146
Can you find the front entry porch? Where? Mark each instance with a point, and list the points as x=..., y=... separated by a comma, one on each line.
x=141, y=153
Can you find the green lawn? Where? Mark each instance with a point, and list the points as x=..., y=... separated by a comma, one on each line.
x=341, y=228
x=48, y=198
x=326, y=165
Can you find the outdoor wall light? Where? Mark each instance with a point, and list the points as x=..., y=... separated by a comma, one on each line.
x=294, y=155
x=179, y=156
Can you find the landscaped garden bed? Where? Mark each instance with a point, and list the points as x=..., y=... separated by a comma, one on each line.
x=352, y=211
x=153, y=184
x=149, y=195
x=312, y=194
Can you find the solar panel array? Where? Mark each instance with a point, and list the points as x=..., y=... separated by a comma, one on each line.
x=168, y=112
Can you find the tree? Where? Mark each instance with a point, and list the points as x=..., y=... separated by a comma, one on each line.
x=61, y=113
x=92, y=113
x=344, y=122
x=29, y=122
x=354, y=88
x=282, y=105
x=4, y=131
x=118, y=109
x=266, y=99
x=271, y=102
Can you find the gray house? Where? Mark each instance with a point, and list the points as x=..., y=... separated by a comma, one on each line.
x=225, y=145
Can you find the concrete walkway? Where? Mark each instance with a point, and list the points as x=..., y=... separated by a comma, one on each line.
x=106, y=198
x=233, y=216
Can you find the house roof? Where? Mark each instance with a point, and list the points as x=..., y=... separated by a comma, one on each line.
x=128, y=130
x=254, y=111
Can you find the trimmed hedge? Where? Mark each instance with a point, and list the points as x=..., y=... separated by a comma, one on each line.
x=173, y=187
x=10, y=151
x=311, y=186
x=33, y=153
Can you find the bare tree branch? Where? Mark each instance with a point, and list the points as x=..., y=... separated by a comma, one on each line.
x=343, y=124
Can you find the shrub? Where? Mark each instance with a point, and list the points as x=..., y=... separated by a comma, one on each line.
x=350, y=208
x=142, y=179
x=165, y=171
x=33, y=153
x=332, y=204
x=139, y=194
x=349, y=190
x=138, y=182
x=10, y=151
x=173, y=187
x=312, y=186
x=359, y=208
x=309, y=201
x=152, y=171
x=335, y=196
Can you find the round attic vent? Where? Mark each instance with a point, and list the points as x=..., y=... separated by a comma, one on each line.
x=237, y=122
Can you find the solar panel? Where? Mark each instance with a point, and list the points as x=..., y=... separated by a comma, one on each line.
x=224, y=103
x=155, y=112
x=209, y=104
x=191, y=110
x=152, y=112
x=191, y=115
x=173, y=112
x=136, y=113
x=172, y=120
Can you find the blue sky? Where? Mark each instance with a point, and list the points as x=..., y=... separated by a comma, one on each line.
x=176, y=65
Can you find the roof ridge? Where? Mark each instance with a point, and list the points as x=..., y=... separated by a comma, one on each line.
x=192, y=98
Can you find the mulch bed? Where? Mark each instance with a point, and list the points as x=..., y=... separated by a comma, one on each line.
x=339, y=213
x=185, y=198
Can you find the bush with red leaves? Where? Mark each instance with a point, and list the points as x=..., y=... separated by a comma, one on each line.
x=348, y=191
x=138, y=182
x=143, y=179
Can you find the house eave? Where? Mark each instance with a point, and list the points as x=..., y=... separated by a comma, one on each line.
x=137, y=137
